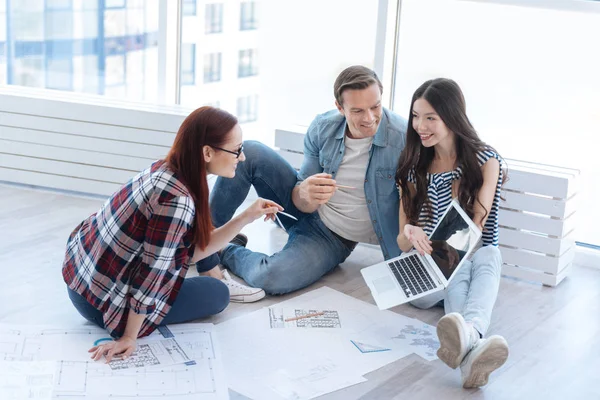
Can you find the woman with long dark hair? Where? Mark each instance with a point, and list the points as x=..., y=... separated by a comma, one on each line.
x=444, y=158
x=125, y=265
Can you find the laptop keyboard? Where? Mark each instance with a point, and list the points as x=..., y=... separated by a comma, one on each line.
x=411, y=275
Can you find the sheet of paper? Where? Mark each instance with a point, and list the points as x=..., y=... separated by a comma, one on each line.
x=250, y=340
x=153, y=353
x=292, y=318
x=20, y=380
x=79, y=377
x=299, y=384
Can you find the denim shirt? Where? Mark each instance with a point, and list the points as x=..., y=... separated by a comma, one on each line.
x=323, y=152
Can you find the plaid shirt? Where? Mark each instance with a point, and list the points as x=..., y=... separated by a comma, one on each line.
x=133, y=253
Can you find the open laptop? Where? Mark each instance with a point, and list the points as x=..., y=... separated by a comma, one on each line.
x=411, y=276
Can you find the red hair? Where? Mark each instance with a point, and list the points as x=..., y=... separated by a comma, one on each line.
x=206, y=126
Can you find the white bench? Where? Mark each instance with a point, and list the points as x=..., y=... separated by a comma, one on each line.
x=536, y=218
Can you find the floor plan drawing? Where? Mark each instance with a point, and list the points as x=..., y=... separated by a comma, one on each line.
x=303, y=318
x=78, y=377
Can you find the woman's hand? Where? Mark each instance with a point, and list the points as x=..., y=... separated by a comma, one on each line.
x=418, y=238
x=262, y=207
x=121, y=348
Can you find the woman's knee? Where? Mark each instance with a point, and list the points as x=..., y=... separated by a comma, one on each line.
x=220, y=296
x=488, y=256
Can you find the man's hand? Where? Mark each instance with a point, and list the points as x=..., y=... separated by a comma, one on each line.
x=317, y=189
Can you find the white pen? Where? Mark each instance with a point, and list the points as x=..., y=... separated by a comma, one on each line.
x=287, y=215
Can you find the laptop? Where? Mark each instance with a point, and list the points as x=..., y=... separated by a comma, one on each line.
x=411, y=276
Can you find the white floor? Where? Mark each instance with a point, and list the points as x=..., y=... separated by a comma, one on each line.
x=553, y=332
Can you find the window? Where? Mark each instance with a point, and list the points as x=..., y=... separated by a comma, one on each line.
x=247, y=110
x=188, y=64
x=80, y=46
x=114, y=3
x=248, y=19
x=212, y=67
x=59, y=74
x=248, y=63
x=214, y=18
x=189, y=7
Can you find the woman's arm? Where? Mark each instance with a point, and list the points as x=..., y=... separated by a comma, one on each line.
x=482, y=207
x=410, y=236
x=403, y=242
x=125, y=345
x=221, y=236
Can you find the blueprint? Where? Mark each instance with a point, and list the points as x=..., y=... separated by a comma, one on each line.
x=78, y=377
x=21, y=380
x=303, y=318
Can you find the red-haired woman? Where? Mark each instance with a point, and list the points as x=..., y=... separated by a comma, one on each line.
x=125, y=265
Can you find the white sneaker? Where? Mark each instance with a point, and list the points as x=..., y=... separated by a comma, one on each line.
x=240, y=293
x=456, y=339
x=486, y=356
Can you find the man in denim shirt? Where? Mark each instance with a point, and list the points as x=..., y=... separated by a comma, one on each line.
x=344, y=192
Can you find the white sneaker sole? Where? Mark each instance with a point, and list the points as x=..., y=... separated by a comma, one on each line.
x=247, y=298
x=490, y=357
x=452, y=340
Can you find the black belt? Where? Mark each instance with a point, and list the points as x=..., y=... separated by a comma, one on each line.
x=348, y=243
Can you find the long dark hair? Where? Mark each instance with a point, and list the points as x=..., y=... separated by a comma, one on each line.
x=206, y=126
x=446, y=98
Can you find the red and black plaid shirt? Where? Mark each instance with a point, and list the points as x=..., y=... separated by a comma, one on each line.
x=133, y=253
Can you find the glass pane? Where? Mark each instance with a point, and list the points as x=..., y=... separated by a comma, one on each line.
x=3, y=47
x=101, y=47
x=271, y=76
x=532, y=90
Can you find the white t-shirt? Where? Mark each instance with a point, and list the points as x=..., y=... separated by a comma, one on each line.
x=346, y=213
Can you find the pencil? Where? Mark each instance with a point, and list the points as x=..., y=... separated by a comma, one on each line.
x=305, y=316
x=345, y=187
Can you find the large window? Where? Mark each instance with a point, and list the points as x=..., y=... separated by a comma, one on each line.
x=248, y=19
x=275, y=53
x=529, y=75
x=214, y=18
x=247, y=108
x=107, y=47
x=248, y=63
x=212, y=67
x=188, y=64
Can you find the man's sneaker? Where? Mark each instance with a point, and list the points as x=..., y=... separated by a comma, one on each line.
x=240, y=239
x=456, y=339
x=486, y=356
x=240, y=293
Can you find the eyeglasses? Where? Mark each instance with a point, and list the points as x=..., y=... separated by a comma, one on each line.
x=236, y=153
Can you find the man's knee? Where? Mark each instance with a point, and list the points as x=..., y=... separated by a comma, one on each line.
x=254, y=148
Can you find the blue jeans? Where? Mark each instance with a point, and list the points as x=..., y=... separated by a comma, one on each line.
x=473, y=291
x=198, y=297
x=312, y=250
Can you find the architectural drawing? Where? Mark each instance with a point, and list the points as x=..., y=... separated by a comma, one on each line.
x=77, y=377
x=303, y=318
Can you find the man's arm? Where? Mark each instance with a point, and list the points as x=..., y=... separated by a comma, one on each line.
x=315, y=187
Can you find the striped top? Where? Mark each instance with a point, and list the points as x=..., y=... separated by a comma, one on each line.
x=439, y=193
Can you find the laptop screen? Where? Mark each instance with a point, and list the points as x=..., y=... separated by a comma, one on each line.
x=451, y=241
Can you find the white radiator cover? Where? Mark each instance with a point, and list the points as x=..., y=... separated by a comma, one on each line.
x=78, y=142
